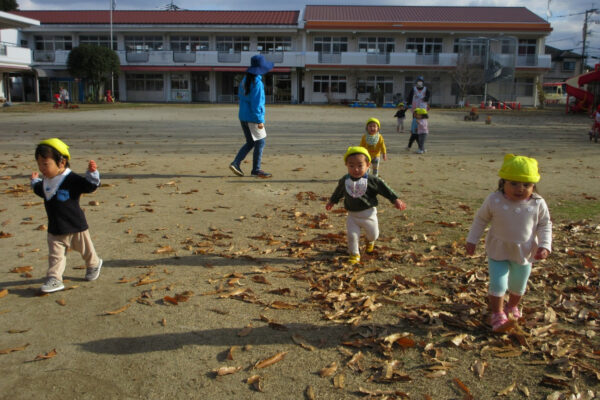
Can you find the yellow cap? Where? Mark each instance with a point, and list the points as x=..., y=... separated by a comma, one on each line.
x=357, y=150
x=59, y=145
x=421, y=111
x=373, y=120
x=519, y=169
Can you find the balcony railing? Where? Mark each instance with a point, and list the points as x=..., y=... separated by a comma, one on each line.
x=184, y=57
x=273, y=56
x=44, y=55
x=330, y=58
x=3, y=51
x=378, y=58
x=229, y=57
x=137, y=56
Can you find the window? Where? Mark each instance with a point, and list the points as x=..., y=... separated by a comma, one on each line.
x=330, y=45
x=51, y=43
x=233, y=44
x=568, y=66
x=471, y=47
x=97, y=40
x=527, y=47
x=368, y=85
x=144, y=82
x=377, y=45
x=329, y=84
x=424, y=45
x=524, y=86
x=179, y=82
x=267, y=44
x=508, y=46
x=188, y=44
x=143, y=43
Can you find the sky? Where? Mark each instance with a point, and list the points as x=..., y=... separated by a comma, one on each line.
x=565, y=17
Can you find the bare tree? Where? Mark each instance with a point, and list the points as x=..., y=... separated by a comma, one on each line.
x=468, y=75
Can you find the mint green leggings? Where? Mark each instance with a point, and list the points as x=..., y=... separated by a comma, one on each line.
x=507, y=275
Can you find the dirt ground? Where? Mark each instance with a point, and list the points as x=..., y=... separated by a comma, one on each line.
x=204, y=270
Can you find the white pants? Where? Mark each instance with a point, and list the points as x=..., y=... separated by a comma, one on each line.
x=367, y=220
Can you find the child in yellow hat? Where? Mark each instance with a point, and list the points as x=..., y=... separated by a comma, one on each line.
x=520, y=233
x=67, y=227
x=422, y=128
x=373, y=142
x=359, y=190
x=400, y=117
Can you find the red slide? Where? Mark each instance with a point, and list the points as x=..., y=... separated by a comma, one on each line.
x=574, y=88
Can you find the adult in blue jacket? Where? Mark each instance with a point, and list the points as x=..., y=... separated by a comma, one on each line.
x=251, y=93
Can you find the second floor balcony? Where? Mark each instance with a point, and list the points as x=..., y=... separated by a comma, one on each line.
x=11, y=54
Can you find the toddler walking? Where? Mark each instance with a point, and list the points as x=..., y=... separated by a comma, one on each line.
x=67, y=227
x=360, y=190
x=373, y=142
x=520, y=232
x=400, y=116
x=422, y=128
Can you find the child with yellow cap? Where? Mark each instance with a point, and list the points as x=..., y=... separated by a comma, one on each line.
x=373, y=142
x=422, y=129
x=359, y=190
x=520, y=232
x=67, y=227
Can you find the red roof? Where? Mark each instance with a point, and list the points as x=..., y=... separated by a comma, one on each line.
x=421, y=14
x=165, y=17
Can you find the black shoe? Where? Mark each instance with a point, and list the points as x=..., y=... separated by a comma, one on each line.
x=236, y=170
x=261, y=174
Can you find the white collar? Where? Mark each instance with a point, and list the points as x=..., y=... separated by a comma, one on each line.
x=51, y=185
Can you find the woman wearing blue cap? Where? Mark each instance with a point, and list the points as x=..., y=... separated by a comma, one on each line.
x=251, y=93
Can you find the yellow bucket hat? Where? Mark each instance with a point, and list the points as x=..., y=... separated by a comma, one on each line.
x=519, y=169
x=421, y=111
x=373, y=120
x=59, y=145
x=357, y=150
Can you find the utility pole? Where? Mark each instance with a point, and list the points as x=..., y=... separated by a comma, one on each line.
x=589, y=12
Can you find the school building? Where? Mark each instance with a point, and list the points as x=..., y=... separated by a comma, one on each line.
x=321, y=53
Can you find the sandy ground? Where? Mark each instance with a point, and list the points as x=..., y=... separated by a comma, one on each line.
x=171, y=219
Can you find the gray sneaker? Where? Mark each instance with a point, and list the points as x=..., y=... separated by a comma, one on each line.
x=92, y=273
x=52, y=285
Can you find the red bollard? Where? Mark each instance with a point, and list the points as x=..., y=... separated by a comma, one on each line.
x=482, y=106
x=519, y=106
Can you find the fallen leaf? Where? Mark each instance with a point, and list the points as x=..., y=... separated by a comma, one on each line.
x=271, y=360
x=3, y=293
x=163, y=250
x=230, y=352
x=479, y=367
x=13, y=349
x=328, y=370
x=46, y=356
x=464, y=388
x=310, y=393
x=257, y=382
x=18, y=270
x=163, y=322
x=245, y=332
x=338, y=381
x=61, y=302
x=118, y=311
x=299, y=340
x=227, y=370
x=436, y=374
x=4, y=235
x=507, y=389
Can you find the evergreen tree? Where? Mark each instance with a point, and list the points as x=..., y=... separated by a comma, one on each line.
x=93, y=64
x=9, y=5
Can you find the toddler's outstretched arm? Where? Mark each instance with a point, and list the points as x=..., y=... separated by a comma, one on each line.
x=541, y=253
x=92, y=166
x=400, y=205
x=470, y=248
x=35, y=175
x=329, y=206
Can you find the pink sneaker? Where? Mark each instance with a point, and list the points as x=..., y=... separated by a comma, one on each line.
x=500, y=323
x=514, y=311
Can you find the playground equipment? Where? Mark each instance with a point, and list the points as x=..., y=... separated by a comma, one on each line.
x=473, y=115
x=576, y=87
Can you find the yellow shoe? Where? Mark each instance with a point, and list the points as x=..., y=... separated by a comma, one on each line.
x=370, y=247
x=354, y=259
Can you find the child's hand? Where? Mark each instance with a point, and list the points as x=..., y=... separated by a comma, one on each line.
x=92, y=166
x=541, y=253
x=35, y=175
x=470, y=248
x=384, y=157
x=400, y=205
x=329, y=206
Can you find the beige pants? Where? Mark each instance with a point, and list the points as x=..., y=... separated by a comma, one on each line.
x=367, y=220
x=57, y=251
